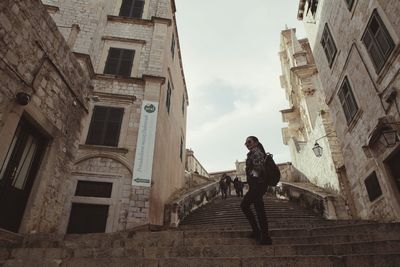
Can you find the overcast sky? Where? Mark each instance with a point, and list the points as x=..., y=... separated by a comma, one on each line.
x=231, y=64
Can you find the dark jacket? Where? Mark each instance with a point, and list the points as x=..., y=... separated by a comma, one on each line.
x=237, y=183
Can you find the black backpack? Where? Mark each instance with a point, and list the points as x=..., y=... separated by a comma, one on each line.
x=272, y=174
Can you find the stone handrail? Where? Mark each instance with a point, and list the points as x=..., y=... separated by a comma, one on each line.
x=179, y=208
x=326, y=204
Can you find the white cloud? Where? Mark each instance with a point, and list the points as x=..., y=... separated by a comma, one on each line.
x=232, y=69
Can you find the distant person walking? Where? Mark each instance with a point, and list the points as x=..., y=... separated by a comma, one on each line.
x=228, y=181
x=222, y=188
x=257, y=189
x=238, y=184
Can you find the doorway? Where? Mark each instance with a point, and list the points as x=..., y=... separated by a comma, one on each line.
x=394, y=166
x=18, y=172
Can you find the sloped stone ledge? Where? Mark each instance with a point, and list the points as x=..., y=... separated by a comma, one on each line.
x=182, y=206
x=328, y=205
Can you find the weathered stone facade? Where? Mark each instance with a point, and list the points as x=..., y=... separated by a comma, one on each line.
x=36, y=60
x=193, y=165
x=92, y=28
x=362, y=58
x=308, y=119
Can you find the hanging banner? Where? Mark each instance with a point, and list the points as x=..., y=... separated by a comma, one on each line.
x=142, y=170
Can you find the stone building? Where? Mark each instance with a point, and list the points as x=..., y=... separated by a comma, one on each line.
x=43, y=99
x=309, y=120
x=356, y=46
x=131, y=154
x=193, y=165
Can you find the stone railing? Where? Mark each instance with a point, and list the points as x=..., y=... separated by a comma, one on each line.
x=328, y=205
x=183, y=205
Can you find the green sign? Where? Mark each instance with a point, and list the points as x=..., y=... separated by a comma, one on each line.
x=150, y=108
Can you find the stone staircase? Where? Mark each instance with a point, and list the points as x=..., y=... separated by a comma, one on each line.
x=215, y=235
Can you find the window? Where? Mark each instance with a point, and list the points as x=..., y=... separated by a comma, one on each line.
x=119, y=62
x=183, y=104
x=347, y=100
x=168, y=100
x=93, y=189
x=349, y=3
x=181, y=150
x=328, y=45
x=312, y=6
x=132, y=8
x=105, y=126
x=173, y=46
x=394, y=168
x=87, y=218
x=373, y=188
x=378, y=42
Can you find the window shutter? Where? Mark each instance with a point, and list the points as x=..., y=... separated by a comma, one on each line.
x=328, y=45
x=347, y=101
x=119, y=62
x=125, y=66
x=377, y=41
x=137, y=9
x=126, y=8
x=132, y=8
x=113, y=126
x=112, y=61
x=96, y=126
x=105, y=126
x=168, y=100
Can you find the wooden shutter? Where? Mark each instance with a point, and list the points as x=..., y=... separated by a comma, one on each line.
x=113, y=126
x=377, y=41
x=328, y=45
x=168, y=100
x=347, y=101
x=105, y=126
x=125, y=66
x=132, y=8
x=119, y=61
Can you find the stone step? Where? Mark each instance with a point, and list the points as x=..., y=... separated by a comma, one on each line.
x=9, y=239
x=383, y=228
x=176, y=238
x=216, y=251
x=387, y=260
x=272, y=224
x=240, y=218
x=299, y=240
x=365, y=260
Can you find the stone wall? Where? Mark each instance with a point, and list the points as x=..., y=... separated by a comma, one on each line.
x=98, y=28
x=34, y=58
x=308, y=117
x=370, y=88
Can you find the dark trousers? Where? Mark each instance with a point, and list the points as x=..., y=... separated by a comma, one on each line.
x=223, y=193
x=239, y=192
x=255, y=196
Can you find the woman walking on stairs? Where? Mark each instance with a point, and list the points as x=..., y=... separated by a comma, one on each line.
x=257, y=189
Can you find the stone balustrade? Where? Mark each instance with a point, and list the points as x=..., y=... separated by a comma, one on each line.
x=326, y=204
x=183, y=205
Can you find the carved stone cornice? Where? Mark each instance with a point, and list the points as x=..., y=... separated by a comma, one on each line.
x=125, y=40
